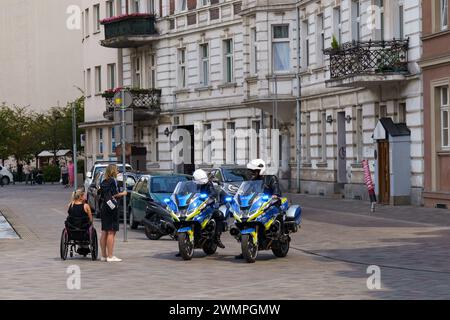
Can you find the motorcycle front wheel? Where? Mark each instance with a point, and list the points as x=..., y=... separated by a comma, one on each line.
x=249, y=249
x=185, y=246
x=210, y=247
x=280, y=249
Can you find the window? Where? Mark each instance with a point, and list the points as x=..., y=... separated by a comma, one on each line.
x=229, y=67
x=323, y=140
x=337, y=24
x=281, y=48
x=254, y=52
x=110, y=8
x=88, y=82
x=401, y=113
x=151, y=71
x=359, y=135
x=380, y=31
x=182, y=76
x=231, y=143
x=111, y=76
x=307, y=143
x=305, y=37
x=100, y=141
x=207, y=142
x=443, y=10
x=137, y=72
x=151, y=6
x=113, y=139
x=86, y=23
x=182, y=5
x=205, y=2
x=256, y=126
x=356, y=20
x=204, y=64
x=401, y=21
x=136, y=6
x=98, y=80
x=444, y=104
x=320, y=41
x=97, y=18
x=156, y=146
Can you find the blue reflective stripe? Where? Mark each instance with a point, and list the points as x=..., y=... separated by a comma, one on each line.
x=248, y=231
x=185, y=229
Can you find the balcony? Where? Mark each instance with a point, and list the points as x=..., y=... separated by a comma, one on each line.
x=129, y=31
x=359, y=64
x=145, y=105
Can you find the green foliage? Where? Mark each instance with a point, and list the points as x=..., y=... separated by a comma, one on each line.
x=52, y=173
x=334, y=43
x=24, y=133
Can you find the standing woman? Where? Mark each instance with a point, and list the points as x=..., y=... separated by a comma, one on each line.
x=109, y=216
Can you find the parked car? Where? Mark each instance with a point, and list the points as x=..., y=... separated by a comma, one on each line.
x=100, y=166
x=229, y=179
x=152, y=188
x=131, y=180
x=6, y=175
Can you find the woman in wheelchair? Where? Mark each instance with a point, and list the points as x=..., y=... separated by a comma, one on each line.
x=79, y=235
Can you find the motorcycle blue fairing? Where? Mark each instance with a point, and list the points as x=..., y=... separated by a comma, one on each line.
x=248, y=231
x=185, y=230
x=246, y=200
x=182, y=200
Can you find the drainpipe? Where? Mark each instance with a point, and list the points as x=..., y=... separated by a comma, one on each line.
x=299, y=104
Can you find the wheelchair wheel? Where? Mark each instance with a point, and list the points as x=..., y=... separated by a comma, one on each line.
x=94, y=245
x=64, y=246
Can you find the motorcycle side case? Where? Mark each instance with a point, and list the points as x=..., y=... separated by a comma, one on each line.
x=294, y=213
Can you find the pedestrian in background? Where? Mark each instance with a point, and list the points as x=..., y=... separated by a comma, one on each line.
x=71, y=169
x=110, y=213
x=65, y=175
x=27, y=172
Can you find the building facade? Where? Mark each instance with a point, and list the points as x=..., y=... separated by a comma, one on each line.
x=214, y=68
x=368, y=72
x=436, y=80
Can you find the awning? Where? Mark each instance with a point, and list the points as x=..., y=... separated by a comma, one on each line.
x=59, y=153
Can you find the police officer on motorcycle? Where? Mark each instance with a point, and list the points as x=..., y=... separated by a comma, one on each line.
x=271, y=184
x=206, y=186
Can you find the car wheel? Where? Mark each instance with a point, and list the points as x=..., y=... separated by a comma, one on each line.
x=133, y=224
x=5, y=181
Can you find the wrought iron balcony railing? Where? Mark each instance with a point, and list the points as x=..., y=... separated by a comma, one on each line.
x=128, y=30
x=146, y=103
x=369, y=58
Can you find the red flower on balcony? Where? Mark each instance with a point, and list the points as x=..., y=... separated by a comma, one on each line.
x=126, y=16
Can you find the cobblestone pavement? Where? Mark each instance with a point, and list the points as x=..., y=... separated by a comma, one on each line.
x=328, y=259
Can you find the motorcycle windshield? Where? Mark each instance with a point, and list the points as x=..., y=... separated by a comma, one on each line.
x=184, y=192
x=248, y=192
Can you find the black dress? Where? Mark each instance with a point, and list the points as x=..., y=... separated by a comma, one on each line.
x=110, y=218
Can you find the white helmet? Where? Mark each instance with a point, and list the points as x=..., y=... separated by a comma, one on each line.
x=257, y=164
x=200, y=177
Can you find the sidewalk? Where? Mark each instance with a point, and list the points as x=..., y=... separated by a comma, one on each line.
x=429, y=216
x=6, y=231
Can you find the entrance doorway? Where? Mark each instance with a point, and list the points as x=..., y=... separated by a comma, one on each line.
x=384, y=180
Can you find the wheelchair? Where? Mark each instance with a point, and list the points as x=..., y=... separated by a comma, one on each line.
x=79, y=236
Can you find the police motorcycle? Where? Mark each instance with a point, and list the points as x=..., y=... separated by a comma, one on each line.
x=259, y=224
x=192, y=213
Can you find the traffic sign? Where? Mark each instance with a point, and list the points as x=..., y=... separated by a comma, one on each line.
x=127, y=99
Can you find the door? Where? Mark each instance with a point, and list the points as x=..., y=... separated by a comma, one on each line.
x=342, y=149
x=384, y=180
